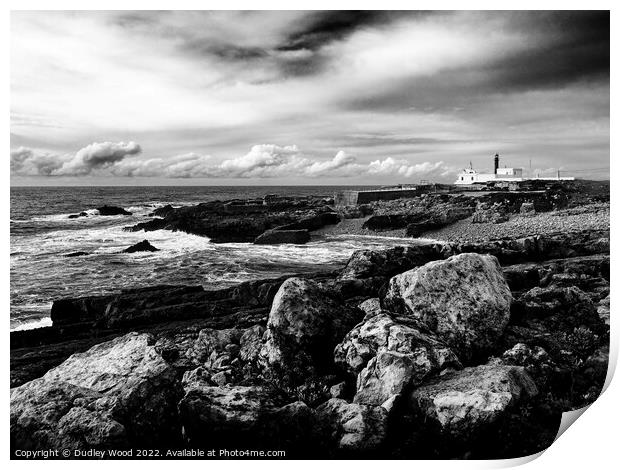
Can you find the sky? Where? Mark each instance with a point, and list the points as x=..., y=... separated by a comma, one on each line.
x=305, y=97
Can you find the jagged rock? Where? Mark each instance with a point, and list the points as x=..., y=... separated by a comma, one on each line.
x=355, y=428
x=144, y=245
x=535, y=360
x=464, y=300
x=370, y=307
x=389, y=355
x=463, y=403
x=112, y=210
x=603, y=310
x=304, y=325
x=276, y=236
x=117, y=394
x=559, y=308
x=383, y=332
x=339, y=390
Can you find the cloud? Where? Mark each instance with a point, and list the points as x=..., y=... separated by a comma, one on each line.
x=391, y=166
x=263, y=161
x=98, y=155
x=26, y=162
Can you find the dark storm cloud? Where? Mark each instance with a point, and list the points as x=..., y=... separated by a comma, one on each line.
x=570, y=48
x=327, y=26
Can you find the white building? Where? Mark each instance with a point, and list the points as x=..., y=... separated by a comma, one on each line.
x=470, y=176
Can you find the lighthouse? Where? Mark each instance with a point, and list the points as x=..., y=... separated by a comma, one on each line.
x=496, y=160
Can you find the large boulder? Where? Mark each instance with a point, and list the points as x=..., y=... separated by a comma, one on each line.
x=356, y=429
x=117, y=394
x=388, y=355
x=305, y=323
x=465, y=402
x=464, y=300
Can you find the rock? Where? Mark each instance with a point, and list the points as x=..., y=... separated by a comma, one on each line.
x=296, y=429
x=383, y=332
x=274, y=237
x=603, y=310
x=464, y=300
x=221, y=378
x=357, y=429
x=117, y=394
x=370, y=307
x=144, y=245
x=486, y=212
x=386, y=263
x=162, y=211
x=463, y=403
x=388, y=356
x=215, y=415
x=338, y=390
x=385, y=222
x=313, y=222
x=527, y=209
x=305, y=323
x=112, y=210
x=251, y=342
x=76, y=253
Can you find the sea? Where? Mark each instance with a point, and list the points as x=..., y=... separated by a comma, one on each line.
x=42, y=235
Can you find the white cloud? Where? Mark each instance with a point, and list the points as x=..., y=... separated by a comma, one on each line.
x=98, y=155
x=263, y=161
x=25, y=161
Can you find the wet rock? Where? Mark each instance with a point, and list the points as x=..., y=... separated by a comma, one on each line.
x=463, y=403
x=112, y=210
x=357, y=429
x=162, y=211
x=464, y=300
x=305, y=323
x=144, y=245
x=275, y=237
x=117, y=394
x=76, y=253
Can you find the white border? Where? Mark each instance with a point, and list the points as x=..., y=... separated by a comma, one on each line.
x=591, y=443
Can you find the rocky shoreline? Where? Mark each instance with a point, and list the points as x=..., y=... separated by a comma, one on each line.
x=468, y=348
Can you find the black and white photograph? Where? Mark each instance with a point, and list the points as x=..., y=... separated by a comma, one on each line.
x=306, y=234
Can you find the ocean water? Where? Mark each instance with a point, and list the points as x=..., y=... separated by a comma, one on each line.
x=42, y=234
